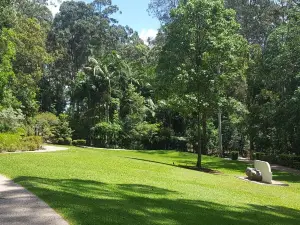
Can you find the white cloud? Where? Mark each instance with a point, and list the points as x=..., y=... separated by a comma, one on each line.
x=147, y=33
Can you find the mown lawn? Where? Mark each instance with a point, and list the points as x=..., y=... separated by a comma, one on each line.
x=89, y=186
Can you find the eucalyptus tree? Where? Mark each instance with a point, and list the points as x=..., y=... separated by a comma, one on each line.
x=31, y=58
x=280, y=92
x=78, y=31
x=258, y=18
x=161, y=9
x=203, y=56
x=7, y=54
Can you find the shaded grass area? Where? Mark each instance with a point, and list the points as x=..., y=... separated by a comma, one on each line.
x=90, y=186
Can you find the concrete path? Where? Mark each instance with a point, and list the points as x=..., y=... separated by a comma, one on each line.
x=46, y=148
x=20, y=207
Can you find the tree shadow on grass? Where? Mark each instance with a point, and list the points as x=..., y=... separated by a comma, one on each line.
x=213, y=163
x=232, y=165
x=206, y=170
x=93, y=202
x=150, y=161
x=214, y=167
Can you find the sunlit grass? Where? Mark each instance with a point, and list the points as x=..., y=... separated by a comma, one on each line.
x=89, y=186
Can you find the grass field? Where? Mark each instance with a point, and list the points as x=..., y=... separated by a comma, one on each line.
x=89, y=186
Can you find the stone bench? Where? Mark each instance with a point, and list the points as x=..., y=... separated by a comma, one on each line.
x=265, y=169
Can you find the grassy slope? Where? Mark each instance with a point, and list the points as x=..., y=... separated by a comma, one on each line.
x=90, y=186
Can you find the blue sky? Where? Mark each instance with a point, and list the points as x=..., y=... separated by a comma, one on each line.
x=135, y=15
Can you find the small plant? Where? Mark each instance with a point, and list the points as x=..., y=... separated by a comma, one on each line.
x=234, y=155
x=259, y=155
x=32, y=143
x=68, y=141
x=60, y=141
x=80, y=142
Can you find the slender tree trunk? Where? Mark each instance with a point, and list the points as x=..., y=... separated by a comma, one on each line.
x=204, y=133
x=199, y=165
x=251, y=145
x=221, y=153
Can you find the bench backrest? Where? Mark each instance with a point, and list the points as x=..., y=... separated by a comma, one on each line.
x=263, y=166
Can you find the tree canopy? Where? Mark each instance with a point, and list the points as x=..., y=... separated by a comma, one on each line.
x=81, y=75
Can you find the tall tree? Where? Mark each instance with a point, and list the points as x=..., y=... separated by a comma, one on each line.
x=202, y=57
x=258, y=18
x=161, y=9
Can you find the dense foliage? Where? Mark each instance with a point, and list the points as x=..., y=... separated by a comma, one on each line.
x=15, y=142
x=81, y=75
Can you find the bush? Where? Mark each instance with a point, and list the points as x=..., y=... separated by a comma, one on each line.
x=68, y=141
x=15, y=142
x=60, y=141
x=179, y=143
x=10, y=142
x=296, y=165
x=80, y=142
x=32, y=143
x=44, y=125
x=288, y=160
x=258, y=155
x=62, y=130
x=11, y=119
x=234, y=155
x=273, y=159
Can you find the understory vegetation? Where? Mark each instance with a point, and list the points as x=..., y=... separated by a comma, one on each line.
x=220, y=77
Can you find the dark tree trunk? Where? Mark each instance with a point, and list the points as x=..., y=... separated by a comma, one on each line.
x=204, y=134
x=199, y=141
x=251, y=145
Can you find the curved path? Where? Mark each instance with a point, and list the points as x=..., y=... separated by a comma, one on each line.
x=20, y=207
x=46, y=148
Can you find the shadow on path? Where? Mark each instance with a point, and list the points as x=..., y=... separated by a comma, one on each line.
x=18, y=207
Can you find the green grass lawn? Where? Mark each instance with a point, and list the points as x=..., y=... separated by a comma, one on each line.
x=89, y=186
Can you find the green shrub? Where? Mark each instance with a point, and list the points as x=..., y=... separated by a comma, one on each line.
x=68, y=141
x=60, y=141
x=80, y=142
x=11, y=119
x=29, y=146
x=44, y=125
x=15, y=142
x=234, y=155
x=288, y=160
x=10, y=142
x=285, y=159
x=273, y=159
x=178, y=143
x=258, y=155
x=296, y=165
x=37, y=140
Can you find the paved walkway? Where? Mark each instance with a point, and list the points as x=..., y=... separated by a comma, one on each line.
x=20, y=207
x=46, y=148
